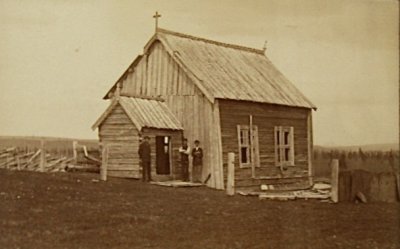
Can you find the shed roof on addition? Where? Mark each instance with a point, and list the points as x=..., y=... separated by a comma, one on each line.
x=144, y=113
x=227, y=71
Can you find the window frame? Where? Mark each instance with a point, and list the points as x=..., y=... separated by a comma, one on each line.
x=282, y=144
x=248, y=146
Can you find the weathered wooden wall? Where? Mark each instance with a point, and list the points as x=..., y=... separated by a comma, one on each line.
x=122, y=139
x=176, y=141
x=266, y=117
x=158, y=75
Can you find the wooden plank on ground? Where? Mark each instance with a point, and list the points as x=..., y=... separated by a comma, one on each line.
x=177, y=183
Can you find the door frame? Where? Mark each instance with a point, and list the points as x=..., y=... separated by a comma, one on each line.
x=169, y=153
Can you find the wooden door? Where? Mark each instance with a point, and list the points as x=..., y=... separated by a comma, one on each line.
x=163, y=155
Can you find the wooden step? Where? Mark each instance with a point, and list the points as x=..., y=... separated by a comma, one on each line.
x=281, y=185
x=268, y=181
x=161, y=178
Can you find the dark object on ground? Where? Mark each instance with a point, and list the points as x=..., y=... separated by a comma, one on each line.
x=361, y=197
x=207, y=179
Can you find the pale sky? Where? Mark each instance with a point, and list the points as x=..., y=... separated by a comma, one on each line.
x=58, y=58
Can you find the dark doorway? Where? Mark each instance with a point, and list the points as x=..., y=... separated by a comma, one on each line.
x=163, y=155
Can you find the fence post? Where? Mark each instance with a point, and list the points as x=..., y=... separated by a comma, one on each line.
x=7, y=159
x=230, y=184
x=335, y=180
x=74, y=147
x=42, y=162
x=18, y=162
x=104, y=162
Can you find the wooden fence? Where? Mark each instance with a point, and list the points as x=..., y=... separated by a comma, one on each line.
x=376, y=187
x=50, y=160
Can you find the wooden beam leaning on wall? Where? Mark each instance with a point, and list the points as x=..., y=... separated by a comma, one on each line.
x=253, y=169
x=219, y=172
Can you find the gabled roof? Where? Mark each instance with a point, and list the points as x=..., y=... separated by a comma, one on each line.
x=143, y=112
x=227, y=71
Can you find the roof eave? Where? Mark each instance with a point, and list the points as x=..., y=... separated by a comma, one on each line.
x=163, y=128
x=311, y=106
x=105, y=114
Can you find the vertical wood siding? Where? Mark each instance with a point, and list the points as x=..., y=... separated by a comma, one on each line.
x=266, y=117
x=158, y=75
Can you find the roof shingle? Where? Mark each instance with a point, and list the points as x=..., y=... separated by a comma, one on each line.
x=233, y=72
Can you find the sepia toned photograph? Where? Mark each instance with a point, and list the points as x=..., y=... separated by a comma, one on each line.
x=199, y=124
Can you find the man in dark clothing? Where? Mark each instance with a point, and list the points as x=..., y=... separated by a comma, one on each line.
x=197, y=154
x=185, y=152
x=145, y=159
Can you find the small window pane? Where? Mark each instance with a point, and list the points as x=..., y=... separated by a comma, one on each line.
x=166, y=139
x=244, y=155
x=278, y=138
x=287, y=150
x=286, y=136
x=244, y=137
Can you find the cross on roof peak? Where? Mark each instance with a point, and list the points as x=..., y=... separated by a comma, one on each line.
x=265, y=46
x=156, y=16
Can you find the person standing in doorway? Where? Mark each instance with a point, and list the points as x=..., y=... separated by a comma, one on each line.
x=145, y=159
x=184, y=150
x=197, y=154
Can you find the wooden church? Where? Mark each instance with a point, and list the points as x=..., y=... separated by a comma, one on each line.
x=231, y=98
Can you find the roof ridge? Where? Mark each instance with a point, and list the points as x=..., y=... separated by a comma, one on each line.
x=228, y=45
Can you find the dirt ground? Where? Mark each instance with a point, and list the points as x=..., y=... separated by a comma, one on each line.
x=66, y=210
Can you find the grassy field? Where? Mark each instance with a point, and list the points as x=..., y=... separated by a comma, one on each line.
x=62, y=210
